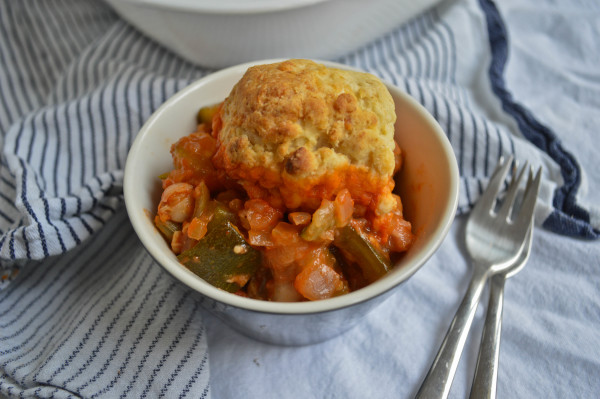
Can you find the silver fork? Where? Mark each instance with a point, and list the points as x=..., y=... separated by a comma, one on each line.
x=486, y=370
x=494, y=241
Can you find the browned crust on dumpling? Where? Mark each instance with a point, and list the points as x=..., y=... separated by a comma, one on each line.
x=299, y=123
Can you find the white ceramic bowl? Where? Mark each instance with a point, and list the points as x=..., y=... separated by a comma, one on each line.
x=427, y=184
x=226, y=32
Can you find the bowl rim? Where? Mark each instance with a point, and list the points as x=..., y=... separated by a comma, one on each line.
x=226, y=6
x=372, y=290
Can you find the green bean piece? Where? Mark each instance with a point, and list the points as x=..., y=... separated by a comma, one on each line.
x=372, y=263
x=202, y=200
x=222, y=257
x=352, y=273
x=323, y=219
x=167, y=228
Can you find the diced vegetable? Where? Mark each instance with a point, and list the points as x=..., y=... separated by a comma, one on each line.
x=205, y=114
x=350, y=270
x=167, y=228
x=372, y=263
x=260, y=238
x=176, y=202
x=343, y=208
x=285, y=292
x=318, y=278
x=300, y=218
x=192, y=159
x=202, y=197
x=198, y=227
x=323, y=219
x=223, y=257
x=285, y=235
x=177, y=242
x=260, y=215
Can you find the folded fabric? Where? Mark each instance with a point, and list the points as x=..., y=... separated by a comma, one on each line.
x=101, y=319
x=77, y=83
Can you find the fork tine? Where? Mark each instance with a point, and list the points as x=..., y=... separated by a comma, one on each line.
x=488, y=197
x=511, y=194
x=529, y=199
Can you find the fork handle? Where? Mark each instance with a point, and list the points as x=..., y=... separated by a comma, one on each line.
x=439, y=378
x=486, y=371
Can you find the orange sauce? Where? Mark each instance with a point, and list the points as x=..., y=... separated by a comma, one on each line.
x=273, y=209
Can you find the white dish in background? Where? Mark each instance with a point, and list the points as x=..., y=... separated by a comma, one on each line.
x=215, y=34
x=427, y=184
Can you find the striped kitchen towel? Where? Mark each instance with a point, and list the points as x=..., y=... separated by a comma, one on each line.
x=84, y=317
x=84, y=311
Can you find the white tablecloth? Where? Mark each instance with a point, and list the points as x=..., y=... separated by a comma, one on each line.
x=85, y=312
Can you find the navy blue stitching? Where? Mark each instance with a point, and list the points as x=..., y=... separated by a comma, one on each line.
x=80, y=140
x=475, y=142
x=63, y=211
x=565, y=196
x=95, y=217
x=6, y=217
x=97, y=320
x=92, y=135
x=115, y=110
x=58, y=235
x=67, y=325
x=69, y=153
x=434, y=109
x=128, y=115
x=461, y=142
x=205, y=392
x=59, y=274
x=100, y=315
x=6, y=198
x=103, y=129
x=8, y=183
x=57, y=150
x=42, y=116
x=30, y=210
x=182, y=362
x=24, y=238
x=107, y=331
x=192, y=380
x=12, y=288
x=152, y=345
x=421, y=96
x=50, y=334
x=170, y=349
x=487, y=149
x=150, y=320
x=11, y=244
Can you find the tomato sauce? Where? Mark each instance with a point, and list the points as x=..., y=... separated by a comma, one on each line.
x=292, y=222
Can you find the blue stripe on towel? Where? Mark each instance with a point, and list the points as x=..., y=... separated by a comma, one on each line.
x=568, y=218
